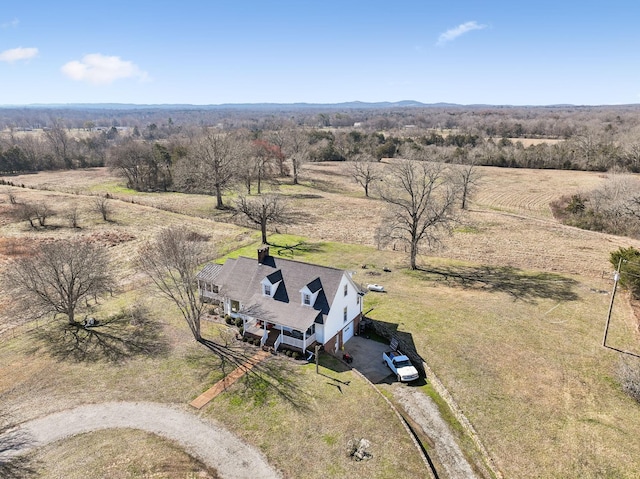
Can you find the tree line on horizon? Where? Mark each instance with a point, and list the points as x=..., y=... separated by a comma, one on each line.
x=591, y=139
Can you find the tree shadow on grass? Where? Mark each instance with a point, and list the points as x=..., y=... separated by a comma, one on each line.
x=114, y=339
x=13, y=463
x=265, y=379
x=521, y=285
x=290, y=251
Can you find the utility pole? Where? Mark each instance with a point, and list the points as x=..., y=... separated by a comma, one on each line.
x=616, y=278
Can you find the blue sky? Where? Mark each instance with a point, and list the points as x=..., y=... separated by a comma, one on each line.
x=284, y=51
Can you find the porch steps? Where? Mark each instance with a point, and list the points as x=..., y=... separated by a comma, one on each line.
x=228, y=380
x=273, y=337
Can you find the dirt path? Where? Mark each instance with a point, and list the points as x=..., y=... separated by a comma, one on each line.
x=213, y=445
x=425, y=413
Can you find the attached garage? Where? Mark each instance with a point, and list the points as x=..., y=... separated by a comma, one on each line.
x=347, y=332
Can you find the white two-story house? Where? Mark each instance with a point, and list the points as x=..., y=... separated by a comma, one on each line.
x=286, y=302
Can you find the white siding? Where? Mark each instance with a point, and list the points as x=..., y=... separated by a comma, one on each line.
x=320, y=337
x=335, y=320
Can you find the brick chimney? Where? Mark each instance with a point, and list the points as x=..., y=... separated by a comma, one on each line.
x=263, y=253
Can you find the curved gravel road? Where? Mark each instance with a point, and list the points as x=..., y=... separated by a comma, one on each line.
x=213, y=445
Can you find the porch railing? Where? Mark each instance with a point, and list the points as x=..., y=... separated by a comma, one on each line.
x=278, y=342
x=297, y=343
x=207, y=294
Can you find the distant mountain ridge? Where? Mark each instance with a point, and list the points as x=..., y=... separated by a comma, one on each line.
x=353, y=105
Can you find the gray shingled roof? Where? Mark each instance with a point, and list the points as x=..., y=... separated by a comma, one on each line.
x=292, y=315
x=209, y=273
x=240, y=280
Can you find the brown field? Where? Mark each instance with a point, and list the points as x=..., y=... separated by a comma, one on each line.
x=526, y=142
x=508, y=313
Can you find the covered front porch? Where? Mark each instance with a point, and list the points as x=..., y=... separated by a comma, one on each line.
x=274, y=335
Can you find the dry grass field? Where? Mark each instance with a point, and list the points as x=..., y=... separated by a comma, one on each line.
x=509, y=314
x=124, y=454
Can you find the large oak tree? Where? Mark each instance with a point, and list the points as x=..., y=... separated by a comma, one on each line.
x=262, y=210
x=421, y=199
x=59, y=278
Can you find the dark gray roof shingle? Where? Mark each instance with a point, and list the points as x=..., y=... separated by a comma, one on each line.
x=240, y=280
x=209, y=273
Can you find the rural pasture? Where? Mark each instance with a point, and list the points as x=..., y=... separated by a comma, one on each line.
x=508, y=312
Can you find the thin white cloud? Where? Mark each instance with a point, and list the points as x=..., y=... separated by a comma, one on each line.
x=100, y=69
x=16, y=54
x=454, y=33
x=12, y=24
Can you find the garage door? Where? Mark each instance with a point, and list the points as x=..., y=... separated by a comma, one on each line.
x=347, y=332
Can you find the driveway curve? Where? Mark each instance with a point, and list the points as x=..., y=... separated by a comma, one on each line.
x=210, y=443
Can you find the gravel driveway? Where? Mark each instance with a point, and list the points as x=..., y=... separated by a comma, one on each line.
x=213, y=445
x=367, y=358
x=425, y=413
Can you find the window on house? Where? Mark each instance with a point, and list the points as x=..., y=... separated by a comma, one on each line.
x=214, y=288
x=306, y=299
x=346, y=287
x=267, y=289
x=235, y=306
x=344, y=315
x=358, y=299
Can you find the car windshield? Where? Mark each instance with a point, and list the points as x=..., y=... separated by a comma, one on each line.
x=403, y=364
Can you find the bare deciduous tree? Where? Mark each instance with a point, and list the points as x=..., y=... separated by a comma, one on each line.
x=261, y=210
x=26, y=212
x=129, y=160
x=296, y=147
x=278, y=138
x=632, y=156
x=421, y=197
x=59, y=141
x=365, y=171
x=31, y=212
x=43, y=212
x=145, y=166
x=72, y=216
x=102, y=206
x=58, y=278
x=618, y=202
x=215, y=155
x=467, y=177
x=265, y=157
x=171, y=261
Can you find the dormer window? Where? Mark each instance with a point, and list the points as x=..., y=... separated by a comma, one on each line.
x=271, y=283
x=309, y=294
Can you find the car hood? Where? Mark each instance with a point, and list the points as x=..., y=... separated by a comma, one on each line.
x=407, y=371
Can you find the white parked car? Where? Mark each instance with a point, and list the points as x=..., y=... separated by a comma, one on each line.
x=376, y=287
